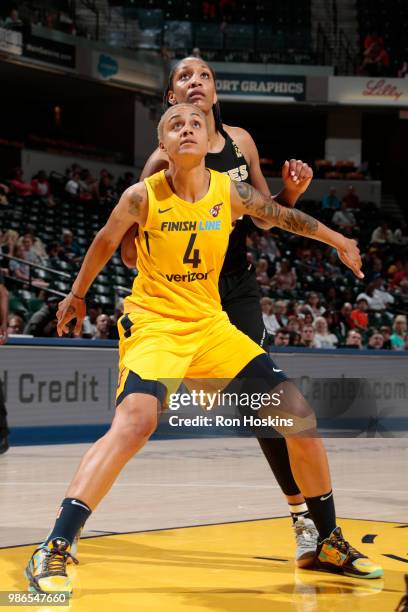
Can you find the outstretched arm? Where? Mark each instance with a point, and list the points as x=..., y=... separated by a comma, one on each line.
x=248, y=201
x=132, y=208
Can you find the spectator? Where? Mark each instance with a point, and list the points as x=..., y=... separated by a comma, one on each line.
x=331, y=201
x=294, y=338
x=344, y=218
x=376, y=61
x=385, y=331
x=88, y=186
x=359, y=315
x=267, y=314
x=400, y=275
x=73, y=186
x=332, y=266
x=382, y=235
x=4, y=190
x=402, y=294
x=295, y=308
x=268, y=248
x=18, y=186
x=89, y=324
x=279, y=318
x=322, y=337
x=400, y=235
x=351, y=199
x=71, y=251
x=376, y=270
x=13, y=21
x=30, y=254
x=8, y=240
x=285, y=278
x=15, y=325
x=103, y=324
x=18, y=269
x=281, y=337
x=106, y=190
x=308, y=318
x=307, y=337
x=354, y=339
x=43, y=323
x=262, y=276
x=399, y=327
x=373, y=38
x=209, y=11
x=313, y=305
x=37, y=244
x=196, y=52
x=375, y=340
x=42, y=189
x=377, y=297
x=293, y=324
x=55, y=254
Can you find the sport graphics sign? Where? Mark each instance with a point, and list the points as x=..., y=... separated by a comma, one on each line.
x=378, y=91
x=260, y=87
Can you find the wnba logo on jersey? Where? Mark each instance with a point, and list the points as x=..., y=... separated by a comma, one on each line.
x=216, y=209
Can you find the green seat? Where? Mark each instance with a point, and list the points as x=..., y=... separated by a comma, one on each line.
x=17, y=306
x=33, y=305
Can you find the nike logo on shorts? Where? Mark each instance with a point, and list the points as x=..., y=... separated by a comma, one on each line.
x=275, y=370
x=160, y=211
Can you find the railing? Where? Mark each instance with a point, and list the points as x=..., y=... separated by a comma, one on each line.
x=346, y=60
x=32, y=266
x=324, y=51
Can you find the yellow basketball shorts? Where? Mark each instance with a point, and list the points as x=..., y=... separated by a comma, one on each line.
x=165, y=350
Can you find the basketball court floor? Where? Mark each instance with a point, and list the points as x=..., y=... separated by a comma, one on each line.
x=200, y=524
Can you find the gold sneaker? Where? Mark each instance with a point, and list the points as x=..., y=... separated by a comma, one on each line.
x=46, y=570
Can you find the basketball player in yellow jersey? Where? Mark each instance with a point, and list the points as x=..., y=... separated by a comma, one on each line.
x=174, y=327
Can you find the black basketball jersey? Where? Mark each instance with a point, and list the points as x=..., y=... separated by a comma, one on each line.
x=232, y=162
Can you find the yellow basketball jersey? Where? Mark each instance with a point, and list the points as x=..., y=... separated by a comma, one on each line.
x=181, y=249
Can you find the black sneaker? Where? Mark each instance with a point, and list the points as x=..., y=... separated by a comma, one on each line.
x=336, y=555
x=403, y=604
x=4, y=445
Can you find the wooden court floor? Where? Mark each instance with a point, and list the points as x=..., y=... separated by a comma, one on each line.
x=191, y=526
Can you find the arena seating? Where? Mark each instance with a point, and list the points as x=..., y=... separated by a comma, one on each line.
x=308, y=259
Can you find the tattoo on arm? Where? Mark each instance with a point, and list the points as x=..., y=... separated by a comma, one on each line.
x=135, y=204
x=265, y=208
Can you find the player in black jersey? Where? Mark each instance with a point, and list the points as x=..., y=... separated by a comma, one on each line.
x=233, y=151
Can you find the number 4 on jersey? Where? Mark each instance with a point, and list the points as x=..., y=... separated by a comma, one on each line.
x=195, y=260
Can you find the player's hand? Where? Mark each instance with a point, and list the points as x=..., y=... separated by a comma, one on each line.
x=3, y=334
x=70, y=308
x=296, y=175
x=349, y=254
